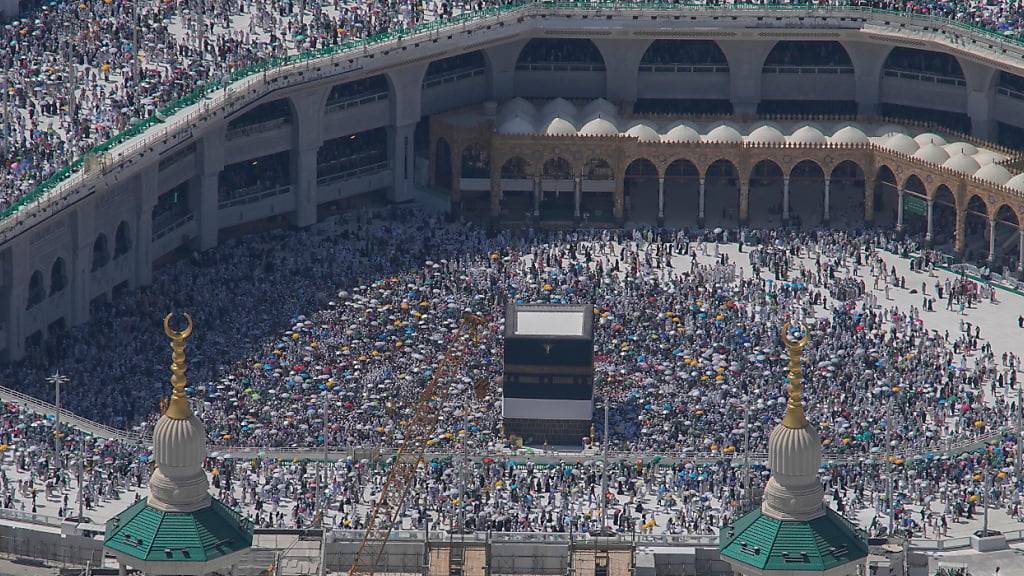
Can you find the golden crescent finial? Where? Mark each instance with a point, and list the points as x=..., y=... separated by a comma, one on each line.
x=178, y=407
x=794, y=418
x=174, y=335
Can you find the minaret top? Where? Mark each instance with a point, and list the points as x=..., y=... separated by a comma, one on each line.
x=795, y=339
x=178, y=408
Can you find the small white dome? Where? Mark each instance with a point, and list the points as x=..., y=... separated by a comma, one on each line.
x=849, y=135
x=681, y=133
x=599, y=127
x=889, y=130
x=962, y=163
x=517, y=107
x=993, y=173
x=602, y=107
x=901, y=143
x=766, y=135
x=644, y=133
x=559, y=107
x=560, y=127
x=961, y=148
x=179, y=444
x=932, y=153
x=985, y=157
x=723, y=133
x=930, y=138
x=1016, y=183
x=808, y=135
x=517, y=124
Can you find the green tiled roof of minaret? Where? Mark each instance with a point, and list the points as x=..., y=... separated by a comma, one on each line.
x=152, y=535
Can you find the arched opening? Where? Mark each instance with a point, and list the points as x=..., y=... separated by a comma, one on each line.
x=721, y=194
x=455, y=69
x=1007, y=240
x=886, y=197
x=943, y=219
x=170, y=210
x=597, y=204
x=766, y=183
x=976, y=229
x=641, y=191
x=915, y=206
x=239, y=182
x=516, y=189
x=36, y=289
x=940, y=74
x=791, y=83
x=351, y=156
x=100, y=252
x=357, y=93
x=267, y=116
x=443, y=165
x=807, y=193
x=58, y=276
x=475, y=181
x=122, y=240
x=682, y=193
x=846, y=195
x=557, y=201
x=560, y=67
x=665, y=84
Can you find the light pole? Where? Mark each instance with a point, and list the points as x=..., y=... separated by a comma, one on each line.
x=604, y=471
x=1020, y=413
x=888, y=461
x=57, y=379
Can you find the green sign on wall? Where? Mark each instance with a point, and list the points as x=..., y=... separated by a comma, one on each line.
x=914, y=205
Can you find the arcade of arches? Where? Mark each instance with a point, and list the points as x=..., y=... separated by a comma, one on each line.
x=609, y=180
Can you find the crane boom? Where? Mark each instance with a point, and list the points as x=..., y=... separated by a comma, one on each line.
x=402, y=474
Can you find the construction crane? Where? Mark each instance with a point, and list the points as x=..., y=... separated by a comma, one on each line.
x=417, y=431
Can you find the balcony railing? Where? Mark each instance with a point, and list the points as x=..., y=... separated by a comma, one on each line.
x=924, y=77
x=340, y=175
x=676, y=68
x=807, y=69
x=244, y=196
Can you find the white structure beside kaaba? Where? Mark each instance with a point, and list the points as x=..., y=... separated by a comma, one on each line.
x=549, y=372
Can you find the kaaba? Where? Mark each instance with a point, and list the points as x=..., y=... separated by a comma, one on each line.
x=549, y=372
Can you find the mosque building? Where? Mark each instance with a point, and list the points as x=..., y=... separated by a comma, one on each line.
x=179, y=530
x=793, y=532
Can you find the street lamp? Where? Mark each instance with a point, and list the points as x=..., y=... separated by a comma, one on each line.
x=57, y=379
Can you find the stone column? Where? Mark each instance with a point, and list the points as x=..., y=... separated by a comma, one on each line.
x=456, y=180
x=928, y=235
x=825, y=217
x=304, y=186
x=1020, y=248
x=700, y=203
x=960, y=240
x=992, y=240
x=899, y=210
x=401, y=160
x=495, y=193
x=577, y=196
x=144, y=226
x=18, y=297
x=785, y=198
x=661, y=197
x=869, y=199
x=744, y=201
x=619, y=200
x=211, y=162
x=537, y=192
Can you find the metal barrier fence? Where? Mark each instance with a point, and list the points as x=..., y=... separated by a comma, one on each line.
x=50, y=547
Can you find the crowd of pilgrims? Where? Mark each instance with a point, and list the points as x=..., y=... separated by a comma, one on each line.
x=340, y=326
x=78, y=72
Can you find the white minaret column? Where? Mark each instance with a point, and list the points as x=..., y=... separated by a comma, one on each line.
x=1020, y=247
x=785, y=198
